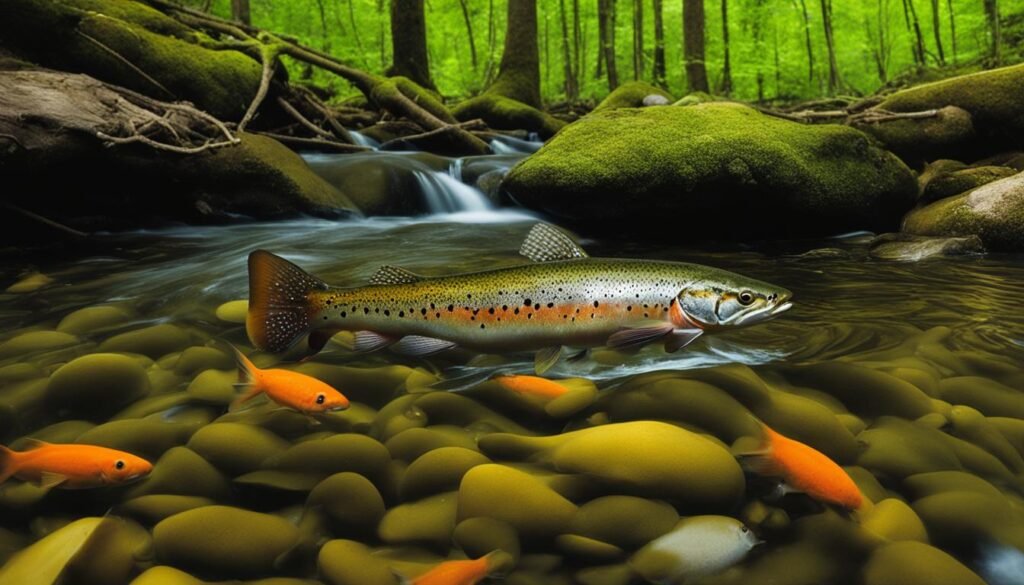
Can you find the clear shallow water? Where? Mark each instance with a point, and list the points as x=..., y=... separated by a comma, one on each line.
x=953, y=321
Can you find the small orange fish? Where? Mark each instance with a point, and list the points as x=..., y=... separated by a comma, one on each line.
x=72, y=466
x=303, y=393
x=531, y=386
x=467, y=572
x=805, y=469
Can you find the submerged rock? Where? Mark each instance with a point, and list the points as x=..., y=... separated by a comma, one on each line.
x=911, y=248
x=97, y=384
x=994, y=212
x=224, y=540
x=524, y=502
x=900, y=563
x=719, y=169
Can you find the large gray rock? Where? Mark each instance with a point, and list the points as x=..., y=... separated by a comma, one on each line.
x=713, y=170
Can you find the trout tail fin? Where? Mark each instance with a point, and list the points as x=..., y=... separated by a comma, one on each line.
x=7, y=463
x=279, y=302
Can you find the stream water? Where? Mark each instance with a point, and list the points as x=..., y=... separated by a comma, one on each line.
x=910, y=374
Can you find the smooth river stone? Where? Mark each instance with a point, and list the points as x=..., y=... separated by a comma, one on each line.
x=347, y=562
x=897, y=448
x=97, y=385
x=988, y=396
x=447, y=408
x=43, y=562
x=163, y=575
x=356, y=453
x=642, y=458
x=350, y=500
x=36, y=341
x=225, y=540
x=686, y=401
x=810, y=422
x=233, y=311
x=864, y=391
x=198, y=358
x=625, y=521
x=92, y=319
x=971, y=425
x=479, y=536
x=901, y=563
x=959, y=520
x=29, y=283
x=183, y=472
x=146, y=437
x=154, y=341
x=236, y=448
x=894, y=520
x=153, y=509
x=429, y=521
x=928, y=484
x=521, y=500
x=437, y=471
x=411, y=444
x=112, y=553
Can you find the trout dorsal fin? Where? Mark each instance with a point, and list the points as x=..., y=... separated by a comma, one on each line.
x=546, y=243
x=394, y=275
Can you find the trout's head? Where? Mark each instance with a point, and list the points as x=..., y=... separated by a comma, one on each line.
x=728, y=300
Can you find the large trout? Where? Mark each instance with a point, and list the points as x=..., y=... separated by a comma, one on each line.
x=563, y=298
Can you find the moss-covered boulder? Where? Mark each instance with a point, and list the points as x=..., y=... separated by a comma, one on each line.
x=504, y=113
x=994, y=212
x=990, y=99
x=716, y=169
x=88, y=35
x=634, y=94
x=954, y=182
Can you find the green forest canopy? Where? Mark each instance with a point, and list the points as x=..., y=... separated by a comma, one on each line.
x=875, y=41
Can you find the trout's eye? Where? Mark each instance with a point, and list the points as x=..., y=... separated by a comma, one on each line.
x=746, y=297
x=119, y=464
x=320, y=398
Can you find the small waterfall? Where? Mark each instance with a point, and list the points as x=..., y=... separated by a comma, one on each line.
x=442, y=193
x=363, y=140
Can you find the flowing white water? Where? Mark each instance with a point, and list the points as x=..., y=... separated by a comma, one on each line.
x=442, y=193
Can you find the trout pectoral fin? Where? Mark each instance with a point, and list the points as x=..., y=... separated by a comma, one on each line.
x=680, y=338
x=635, y=336
x=367, y=341
x=418, y=345
x=545, y=358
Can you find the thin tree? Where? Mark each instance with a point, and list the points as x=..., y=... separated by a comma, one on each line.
x=807, y=37
x=469, y=31
x=355, y=32
x=659, y=46
x=937, y=30
x=240, y=11
x=910, y=16
x=758, y=33
x=492, y=34
x=638, y=39
x=833, y=68
x=577, y=39
x=409, y=42
x=607, y=7
x=726, y=64
x=995, y=52
x=601, y=17
x=693, y=45
x=952, y=27
x=571, y=89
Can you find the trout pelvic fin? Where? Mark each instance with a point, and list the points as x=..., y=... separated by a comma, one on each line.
x=278, y=301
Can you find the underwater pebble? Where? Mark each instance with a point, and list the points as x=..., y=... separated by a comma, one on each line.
x=154, y=341
x=643, y=458
x=36, y=341
x=429, y=521
x=346, y=562
x=236, y=448
x=93, y=319
x=224, y=540
x=180, y=471
x=147, y=438
x=521, y=500
x=625, y=521
x=893, y=519
x=29, y=283
x=153, y=509
x=233, y=311
x=411, y=444
x=351, y=501
x=481, y=535
x=96, y=385
x=438, y=470
x=900, y=563
x=44, y=560
x=196, y=359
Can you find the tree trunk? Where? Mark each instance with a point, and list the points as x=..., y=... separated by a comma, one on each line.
x=937, y=30
x=833, y=68
x=638, y=39
x=659, y=46
x=240, y=11
x=910, y=15
x=952, y=27
x=571, y=91
x=758, y=34
x=519, y=73
x=492, y=34
x=608, y=43
x=355, y=33
x=807, y=37
x=602, y=16
x=726, y=65
x=693, y=45
x=577, y=39
x=409, y=42
x=469, y=31
x=995, y=34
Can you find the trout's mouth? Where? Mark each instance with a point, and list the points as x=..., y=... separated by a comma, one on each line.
x=765, y=312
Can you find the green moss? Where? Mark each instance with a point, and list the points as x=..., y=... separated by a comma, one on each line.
x=631, y=95
x=994, y=212
x=220, y=82
x=950, y=132
x=515, y=85
x=697, y=97
x=713, y=169
x=963, y=180
x=503, y=113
